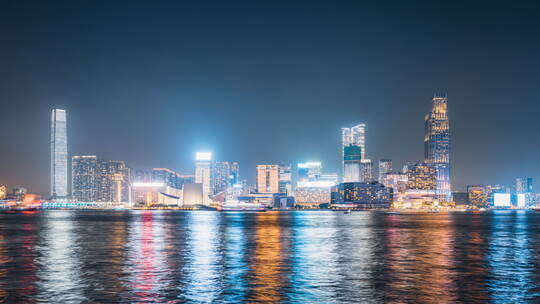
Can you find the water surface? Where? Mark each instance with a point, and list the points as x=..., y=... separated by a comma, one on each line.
x=286, y=257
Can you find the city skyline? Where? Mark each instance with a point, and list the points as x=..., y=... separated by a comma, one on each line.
x=177, y=95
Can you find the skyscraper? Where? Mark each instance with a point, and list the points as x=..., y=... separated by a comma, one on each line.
x=224, y=175
x=84, y=178
x=524, y=185
x=366, y=171
x=352, y=164
x=203, y=171
x=267, y=178
x=437, y=145
x=355, y=136
x=285, y=178
x=385, y=167
x=59, y=154
x=353, y=150
x=114, y=181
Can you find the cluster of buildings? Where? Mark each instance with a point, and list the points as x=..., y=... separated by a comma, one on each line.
x=420, y=184
x=499, y=196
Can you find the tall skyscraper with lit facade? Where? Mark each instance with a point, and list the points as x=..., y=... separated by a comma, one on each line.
x=352, y=164
x=353, y=149
x=267, y=178
x=437, y=145
x=203, y=171
x=355, y=136
x=59, y=154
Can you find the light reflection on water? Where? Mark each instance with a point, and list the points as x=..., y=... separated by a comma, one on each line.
x=287, y=257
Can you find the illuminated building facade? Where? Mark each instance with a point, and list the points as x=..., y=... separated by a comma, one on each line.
x=385, y=167
x=352, y=164
x=353, y=150
x=366, y=171
x=524, y=192
x=421, y=176
x=114, y=181
x=313, y=193
x=309, y=171
x=224, y=175
x=524, y=185
x=437, y=146
x=268, y=179
x=155, y=194
x=167, y=176
x=59, y=154
x=84, y=178
x=203, y=171
x=362, y=195
x=192, y=194
x=3, y=192
x=285, y=179
x=355, y=136
x=478, y=195
x=395, y=180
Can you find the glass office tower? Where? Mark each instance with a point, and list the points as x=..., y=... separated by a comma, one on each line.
x=353, y=141
x=437, y=145
x=59, y=154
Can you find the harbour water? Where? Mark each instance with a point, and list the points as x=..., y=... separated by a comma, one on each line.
x=279, y=257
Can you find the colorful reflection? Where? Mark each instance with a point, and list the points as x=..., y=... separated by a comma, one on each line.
x=235, y=257
x=510, y=259
x=420, y=259
x=315, y=267
x=59, y=273
x=266, y=260
x=204, y=267
x=356, y=244
x=145, y=267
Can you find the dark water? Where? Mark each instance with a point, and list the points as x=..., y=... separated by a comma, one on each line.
x=288, y=257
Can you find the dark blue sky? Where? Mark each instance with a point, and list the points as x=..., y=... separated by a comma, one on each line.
x=150, y=82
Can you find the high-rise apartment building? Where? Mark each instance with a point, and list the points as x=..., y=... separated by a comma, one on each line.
x=437, y=145
x=84, y=178
x=385, y=167
x=203, y=171
x=59, y=154
x=267, y=178
x=96, y=180
x=114, y=181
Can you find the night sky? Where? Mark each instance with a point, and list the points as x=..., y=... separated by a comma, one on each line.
x=151, y=82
